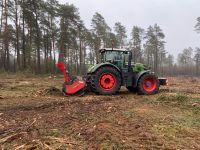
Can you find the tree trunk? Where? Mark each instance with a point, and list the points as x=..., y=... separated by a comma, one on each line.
x=17, y=35
x=6, y=44
x=30, y=46
x=156, y=60
x=1, y=17
x=1, y=40
x=48, y=53
x=197, y=67
x=54, y=56
x=23, y=39
x=80, y=57
x=148, y=57
x=50, y=43
x=84, y=60
x=76, y=61
x=37, y=41
x=52, y=46
x=45, y=51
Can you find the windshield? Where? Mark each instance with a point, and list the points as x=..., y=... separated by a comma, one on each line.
x=111, y=56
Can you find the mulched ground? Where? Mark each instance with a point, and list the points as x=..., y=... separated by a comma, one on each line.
x=35, y=115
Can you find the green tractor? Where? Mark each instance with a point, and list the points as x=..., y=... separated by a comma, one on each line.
x=116, y=70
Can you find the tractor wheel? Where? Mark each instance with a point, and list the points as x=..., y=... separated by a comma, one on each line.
x=132, y=89
x=106, y=81
x=148, y=84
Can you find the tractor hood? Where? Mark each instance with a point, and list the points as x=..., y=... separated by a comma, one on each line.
x=139, y=67
x=91, y=68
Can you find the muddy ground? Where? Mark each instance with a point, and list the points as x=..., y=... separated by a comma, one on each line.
x=35, y=115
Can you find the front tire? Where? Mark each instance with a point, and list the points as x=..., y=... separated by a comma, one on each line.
x=148, y=84
x=106, y=81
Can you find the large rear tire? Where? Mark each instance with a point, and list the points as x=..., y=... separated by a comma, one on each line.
x=148, y=84
x=106, y=81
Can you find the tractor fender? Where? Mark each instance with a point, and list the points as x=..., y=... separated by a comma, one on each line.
x=96, y=67
x=138, y=76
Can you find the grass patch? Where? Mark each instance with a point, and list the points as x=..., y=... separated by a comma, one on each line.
x=178, y=122
x=109, y=145
x=55, y=133
x=188, y=114
x=180, y=100
x=177, y=98
x=130, y=113
x=176, y=128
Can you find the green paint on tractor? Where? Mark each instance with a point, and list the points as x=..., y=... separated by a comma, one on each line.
x=139, y=67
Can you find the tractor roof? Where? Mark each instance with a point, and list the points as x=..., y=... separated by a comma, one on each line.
x=114, y=49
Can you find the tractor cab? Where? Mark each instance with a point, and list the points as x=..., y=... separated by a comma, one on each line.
x=121, y=58
x=117, y=57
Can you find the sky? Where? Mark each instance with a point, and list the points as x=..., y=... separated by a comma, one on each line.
x=177, y=18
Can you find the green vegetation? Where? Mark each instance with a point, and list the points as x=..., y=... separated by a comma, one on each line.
x=55, y=133
x=179, y=98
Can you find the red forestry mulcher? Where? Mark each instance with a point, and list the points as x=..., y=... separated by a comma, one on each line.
x=114, y=70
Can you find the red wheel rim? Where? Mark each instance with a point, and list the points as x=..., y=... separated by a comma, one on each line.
x=149, y=84
x=107, y=81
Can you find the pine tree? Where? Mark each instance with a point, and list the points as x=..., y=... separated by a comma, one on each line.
x=136, y=42
x=197, y=61
x=185, y=61
x=197, y=26
x=120, y=34
x=154, y=46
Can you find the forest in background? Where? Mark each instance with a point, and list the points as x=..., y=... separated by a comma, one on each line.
x=32, y=32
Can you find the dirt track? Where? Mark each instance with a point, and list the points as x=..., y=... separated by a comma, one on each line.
x=33, y=115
